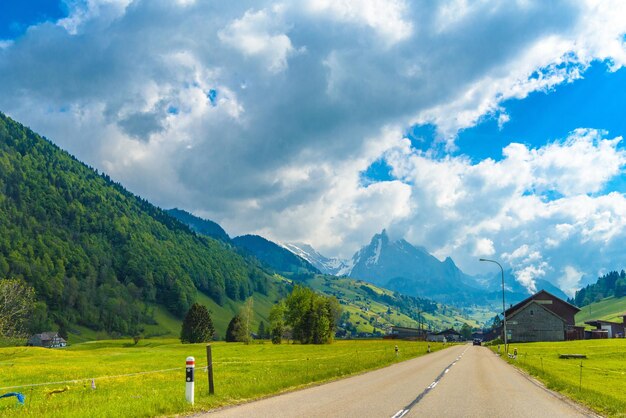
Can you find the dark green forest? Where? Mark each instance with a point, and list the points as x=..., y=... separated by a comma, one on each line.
x=276, y=257
x=199, y=225
x=96, y=254
x=611, y=284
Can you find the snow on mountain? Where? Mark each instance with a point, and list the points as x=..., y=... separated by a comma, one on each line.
x=333, y=266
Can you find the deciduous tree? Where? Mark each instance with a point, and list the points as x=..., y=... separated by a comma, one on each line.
x=277, y=323
x=16, y=302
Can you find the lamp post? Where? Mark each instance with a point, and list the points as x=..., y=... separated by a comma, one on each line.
x=506, y=345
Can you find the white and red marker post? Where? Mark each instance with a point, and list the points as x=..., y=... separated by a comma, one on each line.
x=190, y=366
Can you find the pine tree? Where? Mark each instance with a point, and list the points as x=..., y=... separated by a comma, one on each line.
x=261, y=331
x=234, y=332
x=197, y=326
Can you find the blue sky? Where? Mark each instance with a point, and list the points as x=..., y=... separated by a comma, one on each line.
x=474, y=129
x=595, y=101
x=17, y=15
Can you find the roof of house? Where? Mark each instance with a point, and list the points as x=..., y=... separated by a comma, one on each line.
x=531, y=302
x=46, y=336
x=404, y=328
x=532, y=297
x=448, y=331
x=596, y=322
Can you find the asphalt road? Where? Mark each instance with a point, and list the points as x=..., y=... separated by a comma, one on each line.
x=461, y=381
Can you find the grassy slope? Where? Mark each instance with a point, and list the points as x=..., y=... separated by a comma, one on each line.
x=606, y=309
x=169, y=325
x=241, y=373
x=361, y=308
x=603, y=371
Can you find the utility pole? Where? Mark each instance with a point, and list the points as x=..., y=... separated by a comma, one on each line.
x=506, y=344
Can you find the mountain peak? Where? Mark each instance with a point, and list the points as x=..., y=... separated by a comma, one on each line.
x=382, y=237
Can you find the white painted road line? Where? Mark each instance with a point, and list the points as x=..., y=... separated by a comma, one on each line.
x=400, y=413
x=430, y=387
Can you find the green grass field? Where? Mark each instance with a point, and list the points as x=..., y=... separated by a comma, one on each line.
x=603, y=372
x=242, y=372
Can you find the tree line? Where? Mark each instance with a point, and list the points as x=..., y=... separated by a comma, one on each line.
x=303, y=316
x=610, y=284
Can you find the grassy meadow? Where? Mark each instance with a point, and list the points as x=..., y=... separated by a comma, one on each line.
x=606, y=309
x=241, y=372
x=603, y=372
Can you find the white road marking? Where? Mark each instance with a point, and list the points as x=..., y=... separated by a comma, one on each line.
x=400, y=413
x=404, y=411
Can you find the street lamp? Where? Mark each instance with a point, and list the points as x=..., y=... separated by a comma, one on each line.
x=506, y=345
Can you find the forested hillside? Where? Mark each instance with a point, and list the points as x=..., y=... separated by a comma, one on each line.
x=611, y=284
x=96, y=254
x=278, y=258
x=199, y=225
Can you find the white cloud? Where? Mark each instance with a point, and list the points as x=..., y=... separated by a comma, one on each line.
x=84, y=11
x=527, y=275
x=484, y=247
x=569, y=282
x=257, y=34
x=386, y=17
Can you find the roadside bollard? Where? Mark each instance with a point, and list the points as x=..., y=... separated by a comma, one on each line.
x=396, y=351
x=429, y=348
x=189, y=372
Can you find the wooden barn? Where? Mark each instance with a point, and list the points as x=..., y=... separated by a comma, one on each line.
x=542, y=317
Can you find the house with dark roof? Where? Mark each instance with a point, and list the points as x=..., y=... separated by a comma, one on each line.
x=542, y=317
x=407, y=333
x=47, y=339
x=608, y=329
x=449, y=334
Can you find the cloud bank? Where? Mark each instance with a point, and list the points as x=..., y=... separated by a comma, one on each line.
x=264, y=116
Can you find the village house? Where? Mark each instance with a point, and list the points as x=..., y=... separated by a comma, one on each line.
x=449, y=334
x=47, y=339
x=542, y=317
x=607, y=329
x=406, y=333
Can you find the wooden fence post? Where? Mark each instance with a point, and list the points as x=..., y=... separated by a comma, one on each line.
x=209, y=360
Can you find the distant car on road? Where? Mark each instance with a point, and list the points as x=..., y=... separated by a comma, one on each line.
x=477, y=341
